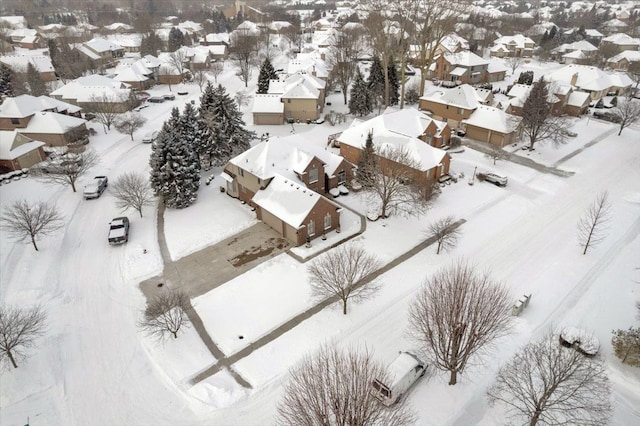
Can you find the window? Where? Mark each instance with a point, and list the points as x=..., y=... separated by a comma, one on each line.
x=311, y=228
x=327, y=221
x=460, y=111
x=313, y=175
x=15, y=121
x=342, y=177
x=240, y=172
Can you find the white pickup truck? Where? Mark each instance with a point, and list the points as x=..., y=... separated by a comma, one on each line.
x=96, y=187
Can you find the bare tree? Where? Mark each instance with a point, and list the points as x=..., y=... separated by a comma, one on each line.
x=216, y=70
x=446, y=232
x=201, y=78
x=244, y=53
x=67, y=172
x=513, y=62
x=549, y=384
x=166, y=314
x=132, y=190
x=19, y=329
x=242, y=98
x=178, y=61
x=382, y=34
x=342, y=273
x=495, y=153
x=626, y=112
x=106, y=108
x=634, y=74
x=347, y=47
x=392, y=184
x=333, y=387
x=626, y=345
x=292, y=35
x=24, y=221
x=266, y=46
x=592, y=223
x=539, y=122
x=128, y=123
x=456, y=314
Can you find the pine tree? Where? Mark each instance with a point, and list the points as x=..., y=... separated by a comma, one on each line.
x=175, y=167
x=394, y=84
x=37, y=86
x=150, y=44
x=225, y=122
x=360, y=102
x=176, y=39
x=267, y=72
x=367, y=162
x=375, y=81
x=6, y=79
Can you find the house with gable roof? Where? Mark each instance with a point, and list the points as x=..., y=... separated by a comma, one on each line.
x=302, y=94
x=87, y=90
x=624, y=60
x=18, y=151
x=281, y=176
x=455, y=104
x=461, y=67
x=516, y=45
x=621, y=42
x=102, y=52
x=592, y=80
x=20, y=63
x=404, y=129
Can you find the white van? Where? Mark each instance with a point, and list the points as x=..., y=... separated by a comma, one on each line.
x=403, y=372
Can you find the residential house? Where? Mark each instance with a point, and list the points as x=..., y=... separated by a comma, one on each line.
x=562, y=98
x=19, y=65
x=310, y=63
x=575, y=52
x=492, y=125
x=268, y=109
x=285, y=179
x=592, y=80
x=15, y=112
x=18, y=151
x=136, y=75
x=517, y=45
x=404, y=129
x=88, y=90
x=303, y=96
x=624, y=60
x=215, y=39
x=451, y=43
x=456, y=104
x=620, y=42
x=102, y=52
x=118, y=28
x=614, y=26
x=461, y=67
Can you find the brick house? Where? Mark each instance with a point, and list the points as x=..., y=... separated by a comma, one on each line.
x=85, y=91
x=309, y=171
x=102, y=52
x=18, y=151
x=513, y=46
x=492, y=125
x=302, y=94
x=461, y=67
x=455, y=104
x=404, y=129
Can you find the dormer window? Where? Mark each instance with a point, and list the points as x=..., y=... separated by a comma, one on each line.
x=313, y=174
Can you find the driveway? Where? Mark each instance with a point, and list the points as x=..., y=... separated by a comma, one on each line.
x=212, y=266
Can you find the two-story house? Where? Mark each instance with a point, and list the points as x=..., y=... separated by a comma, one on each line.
x=592, y=80
x=281, y=176
x=102, y=52
x=455, y=104
x=461, y=67
x=91, y=89
x=513, y=46
x=302, y=94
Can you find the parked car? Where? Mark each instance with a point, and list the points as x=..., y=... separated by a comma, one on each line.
x=61, y=164
x=96, y=187
x=169, y=97
x=119, y=230
x=141, y=107
x=496, y=179
x=183, y=92
x=581, y=340
x=404, y=371
x=156, y=100
x=607, y=116
x=150, y=137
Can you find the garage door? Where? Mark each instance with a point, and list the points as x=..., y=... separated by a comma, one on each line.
x=267, y=119
x=477, y=133
x=272, y=221
x=497, y=139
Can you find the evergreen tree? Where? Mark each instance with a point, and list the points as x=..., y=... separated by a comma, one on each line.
x=150, y=44
x=6, y=82
x=375, y=82
x=176, y=39
x=37, y=86
x=267, y=72
x=394, y=84
x=225, y=122
x=360, y=102
x=175, y=168
x=367, y=162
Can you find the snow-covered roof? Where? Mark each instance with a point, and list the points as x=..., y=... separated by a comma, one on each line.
x=297, y=86
x=19, y=63
x=621, y=39
x=578, y=98
x=463, y=96
x=494, y=119
x=51, y=122
x=267, y=103
x=216, y=38
x=118, y=26
x=466, y=59
x=26, y=105
x=99, y=45
x=582, y=45
x=14, y=21
x=10, y=150
x=84, y=89
x=629, y=55
x=288, y=200
x=278, y=25
x=392, y=130
x=576, y=54
x=496, y=65
x=588, y=78
x=517, y=40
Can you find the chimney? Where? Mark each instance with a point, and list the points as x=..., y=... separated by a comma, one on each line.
x=574, y=79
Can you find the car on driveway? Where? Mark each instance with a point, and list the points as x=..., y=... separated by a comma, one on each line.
x=496, y=179
x=119, y=230
x=96, y=187
x=169, y=97
x=156, y=100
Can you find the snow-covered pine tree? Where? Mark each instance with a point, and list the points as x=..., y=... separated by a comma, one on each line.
x=360, y=98
x=225, y=121
x=367, y=163
x=267, y=72
x=6, y=77
x=375, y=81
x=394, y=84
x=37, y=86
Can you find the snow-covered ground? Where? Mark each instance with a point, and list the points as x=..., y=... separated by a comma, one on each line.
x=93, y=366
